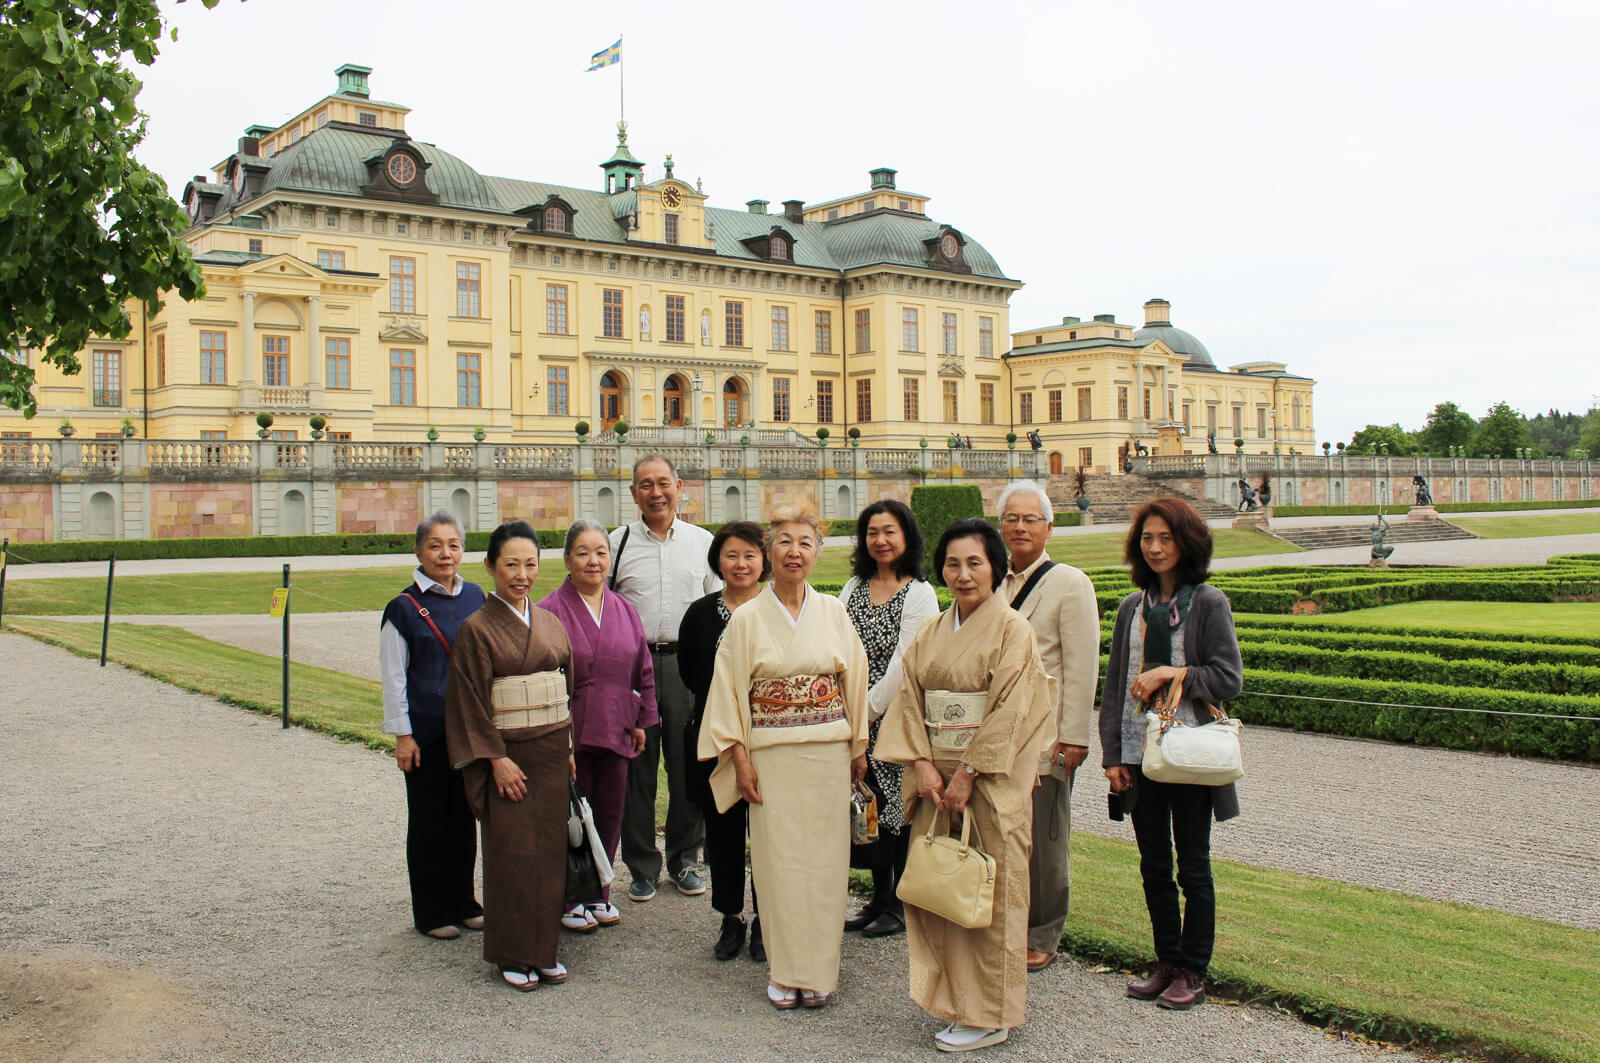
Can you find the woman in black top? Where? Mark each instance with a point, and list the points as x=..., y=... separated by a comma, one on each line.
x=739, y=557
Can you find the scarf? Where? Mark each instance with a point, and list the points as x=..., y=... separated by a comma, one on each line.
x=1160, y=618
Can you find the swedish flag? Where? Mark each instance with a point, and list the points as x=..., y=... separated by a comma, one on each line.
x=606, y=56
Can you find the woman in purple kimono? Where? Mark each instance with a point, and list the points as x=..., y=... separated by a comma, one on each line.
x=613, y=698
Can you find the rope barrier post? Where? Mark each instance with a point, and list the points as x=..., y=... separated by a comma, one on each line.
x=286, y=647
x=105, y=627
x=5, y=561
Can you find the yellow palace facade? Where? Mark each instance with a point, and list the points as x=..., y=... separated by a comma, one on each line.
x=385, y=285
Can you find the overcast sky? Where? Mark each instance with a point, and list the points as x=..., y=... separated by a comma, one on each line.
x=1396, y=199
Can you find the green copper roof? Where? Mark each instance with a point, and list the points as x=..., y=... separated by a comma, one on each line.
x=333, y=160
x=895, y=239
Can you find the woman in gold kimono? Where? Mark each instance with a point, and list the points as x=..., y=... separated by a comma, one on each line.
x=978, y=663
x=786, y=720
x=509, y=729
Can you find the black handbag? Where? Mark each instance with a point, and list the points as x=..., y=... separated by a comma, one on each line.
x=583, y=874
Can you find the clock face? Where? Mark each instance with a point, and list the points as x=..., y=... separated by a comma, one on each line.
x=672, y=198
x=949, y=247
x=402, y=169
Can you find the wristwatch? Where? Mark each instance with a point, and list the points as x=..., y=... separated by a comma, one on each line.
x=969, y=769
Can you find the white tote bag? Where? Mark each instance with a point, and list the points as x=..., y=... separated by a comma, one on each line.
x=1175, y=752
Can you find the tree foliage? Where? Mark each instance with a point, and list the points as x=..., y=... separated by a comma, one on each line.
x=1448, y=426
x=1399, y=440
x=1589, y=439
x=1501, y=432
x=84, y=227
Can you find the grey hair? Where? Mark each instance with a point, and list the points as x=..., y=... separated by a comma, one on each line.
x=653, y=456
x=580, y=526
x=442, y=516
x=1027, y=487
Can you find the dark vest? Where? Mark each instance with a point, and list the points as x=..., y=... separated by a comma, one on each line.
x=427, y=663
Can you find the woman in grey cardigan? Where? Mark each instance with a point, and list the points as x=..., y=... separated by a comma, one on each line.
x=1174, y=621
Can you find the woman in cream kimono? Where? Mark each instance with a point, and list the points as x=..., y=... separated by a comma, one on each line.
x=508, y=727
x=975, y=671
x=786, y=720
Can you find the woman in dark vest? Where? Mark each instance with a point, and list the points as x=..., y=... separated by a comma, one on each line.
x=419, y=626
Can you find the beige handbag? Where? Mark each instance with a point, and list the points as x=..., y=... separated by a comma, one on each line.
x=949, y=877
x=1174, y=752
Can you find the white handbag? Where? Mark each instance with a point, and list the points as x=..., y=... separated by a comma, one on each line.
x=1204, y=755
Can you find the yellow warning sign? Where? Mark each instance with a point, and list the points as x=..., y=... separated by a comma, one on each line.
x=280, y=602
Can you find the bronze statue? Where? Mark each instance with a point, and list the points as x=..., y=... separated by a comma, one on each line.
x=1247, y=495
x=1265, y=491
x=1380, y=551
x=1424, y=496
x=1034, y=440
x=1211, y=442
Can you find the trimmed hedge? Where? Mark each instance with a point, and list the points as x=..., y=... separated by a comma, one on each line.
x=1357, y=640
x=1414, y=667
x=937, y=506
x=1519, y=735
x=1403, y=631
x=1442, y=507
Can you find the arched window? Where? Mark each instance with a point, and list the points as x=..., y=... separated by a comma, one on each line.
x=555, y=220
x=778, y=249
x=733, y=403
x=610, y=400
x=292, y=514
x=461, y=506
x=605, y=506
x=672, y=400
x=732, y=504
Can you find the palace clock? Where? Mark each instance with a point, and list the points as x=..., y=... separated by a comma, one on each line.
x=949, y=247
x=402, y=169
x=672, y=198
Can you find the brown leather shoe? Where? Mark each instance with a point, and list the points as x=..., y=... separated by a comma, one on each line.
x=1038, y=961
x=1185, y=992
x=1154, y=984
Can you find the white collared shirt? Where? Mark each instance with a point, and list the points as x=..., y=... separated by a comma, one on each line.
x=792, y=618
x=661, y=576
x=394, y=657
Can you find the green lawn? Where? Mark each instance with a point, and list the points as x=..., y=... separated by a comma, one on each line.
x=1377, y=962
x=342, y=590
x=1529, y=527
x=1525, y=618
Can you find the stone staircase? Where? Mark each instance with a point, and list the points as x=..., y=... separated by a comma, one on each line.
x=1116, y=497
x=1326, y=536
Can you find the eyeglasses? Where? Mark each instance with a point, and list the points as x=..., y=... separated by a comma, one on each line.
x=1011, y=520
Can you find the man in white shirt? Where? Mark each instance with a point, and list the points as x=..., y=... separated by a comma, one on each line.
x=1061, y=607
x=660, y=564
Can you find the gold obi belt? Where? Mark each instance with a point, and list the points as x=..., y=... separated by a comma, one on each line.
x=953, y=717
x=796, y=700
x=530, y=700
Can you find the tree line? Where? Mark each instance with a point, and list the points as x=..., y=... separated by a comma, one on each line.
x=1501, y=433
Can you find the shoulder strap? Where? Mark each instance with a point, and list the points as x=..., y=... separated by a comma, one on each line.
x=616, y=559
x=1033, y=581
x=423, y=612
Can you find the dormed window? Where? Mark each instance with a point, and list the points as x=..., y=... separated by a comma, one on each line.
x=778, y=249
x=555, y=220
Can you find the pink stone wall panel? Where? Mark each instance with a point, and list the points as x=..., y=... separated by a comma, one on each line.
x=547, y=504
x=26, y=515
x=201, y=510
x=379, y=507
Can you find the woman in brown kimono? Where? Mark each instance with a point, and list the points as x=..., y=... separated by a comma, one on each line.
x=976, y=665
x=509, y=730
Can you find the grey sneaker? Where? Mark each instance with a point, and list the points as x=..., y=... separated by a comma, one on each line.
x=689, y=882
x=641, y=890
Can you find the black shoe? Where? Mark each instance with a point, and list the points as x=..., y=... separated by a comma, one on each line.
x=860, y=920
x=731, y=939
x=887, y=924
x=758, y=950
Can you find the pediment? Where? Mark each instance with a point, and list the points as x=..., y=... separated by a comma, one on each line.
x=282, y=266
x=406, y=329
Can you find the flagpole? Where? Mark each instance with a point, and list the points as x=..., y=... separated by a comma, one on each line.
x=622, y=98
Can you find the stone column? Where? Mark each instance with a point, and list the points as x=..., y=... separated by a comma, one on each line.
x=313, y=341
x=247, y=340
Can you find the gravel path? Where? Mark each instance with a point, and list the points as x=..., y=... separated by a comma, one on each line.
x=184, y=881
x=1437, y=823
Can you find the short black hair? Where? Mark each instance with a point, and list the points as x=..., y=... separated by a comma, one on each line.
x=1190, y=533
x=745, y=531
x=973, y=527
x=511, y=529
x=862, y=564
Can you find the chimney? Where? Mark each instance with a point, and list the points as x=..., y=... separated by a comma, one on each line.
x=756, y=206
x=249, y=145
x=1157, y=312
x=1106, y=319
x=794, y=210
x=199, y=178
x=1069, y=321
x=882, y=178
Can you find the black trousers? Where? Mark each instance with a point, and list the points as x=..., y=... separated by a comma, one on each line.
x=441, y=842
x=886, y=857
x=725, y=836
x=1168, y=816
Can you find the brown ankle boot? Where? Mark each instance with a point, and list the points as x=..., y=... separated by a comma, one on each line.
x=1185, y=992
x=1154, y=984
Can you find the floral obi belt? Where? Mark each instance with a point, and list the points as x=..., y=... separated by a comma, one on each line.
x=796, y=701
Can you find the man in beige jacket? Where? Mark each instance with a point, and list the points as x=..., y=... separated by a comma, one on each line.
x=1060, y=605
